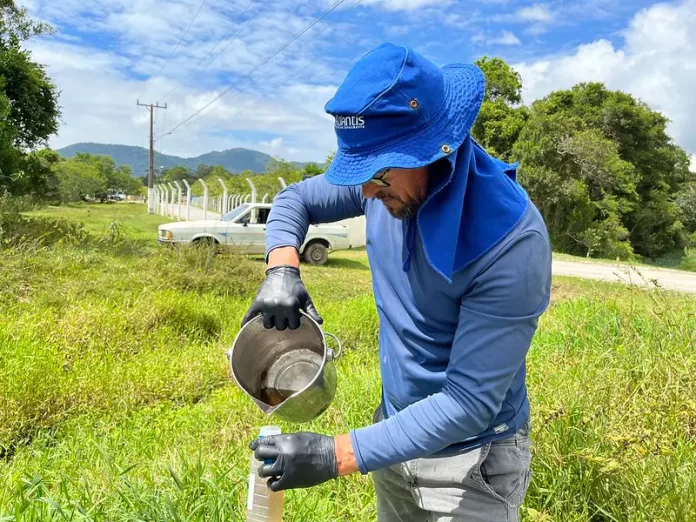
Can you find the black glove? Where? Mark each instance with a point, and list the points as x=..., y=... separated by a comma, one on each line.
x=302, y=460
x=281, y=297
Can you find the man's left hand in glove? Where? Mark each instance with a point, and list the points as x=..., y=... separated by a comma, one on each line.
x=302, y=460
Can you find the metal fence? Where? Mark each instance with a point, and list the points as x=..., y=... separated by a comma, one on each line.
x=171, y=200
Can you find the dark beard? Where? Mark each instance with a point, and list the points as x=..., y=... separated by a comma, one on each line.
x=406, y=211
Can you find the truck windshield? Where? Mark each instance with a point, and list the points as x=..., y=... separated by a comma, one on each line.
x=234, y=213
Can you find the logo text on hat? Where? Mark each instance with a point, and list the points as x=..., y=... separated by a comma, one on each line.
x=350, y=122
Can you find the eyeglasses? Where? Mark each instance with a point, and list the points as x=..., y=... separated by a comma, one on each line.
x=379, y=178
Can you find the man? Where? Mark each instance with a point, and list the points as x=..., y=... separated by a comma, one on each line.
x=461, y=267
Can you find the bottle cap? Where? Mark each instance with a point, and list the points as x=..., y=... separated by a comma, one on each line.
x=267, y=431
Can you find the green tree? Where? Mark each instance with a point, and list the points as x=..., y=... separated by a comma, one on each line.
x=203, y=171
x=117, y=180
x=311, y=169
x=79, y=180
x=330, y=158
x=38, y=170
x=686, y=203
x=581, y=186
x=133, y=186
x=607, y=155
x=219, y=172
x=86, y=175
x=29, y=111
x=9, y=155
x=123, y=182
x=178, y=173
x=501, y=118
x=502, y=81
x=281, y=167
x=34, y=110
x=6, y=129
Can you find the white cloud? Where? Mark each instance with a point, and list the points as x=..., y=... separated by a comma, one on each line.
x=460, y=21
x=535, y=13
x=657, y=64
x=507, y=38
x=537, y=17
x=692, y=167
x=407, y=5
x=277, y=148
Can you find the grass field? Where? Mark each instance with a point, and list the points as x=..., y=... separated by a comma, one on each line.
x=131, y=218
x=116, y=401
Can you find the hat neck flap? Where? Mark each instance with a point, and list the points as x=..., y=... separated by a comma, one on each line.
x=470, y=209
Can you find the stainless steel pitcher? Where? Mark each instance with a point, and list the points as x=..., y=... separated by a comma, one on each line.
x=290, y=374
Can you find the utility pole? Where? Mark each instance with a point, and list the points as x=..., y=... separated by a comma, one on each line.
x=151, y=172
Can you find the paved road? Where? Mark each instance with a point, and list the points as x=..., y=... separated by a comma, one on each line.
x=677, y=280
x=195, y=213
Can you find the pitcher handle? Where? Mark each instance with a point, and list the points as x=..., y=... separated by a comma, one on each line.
x=337, y=354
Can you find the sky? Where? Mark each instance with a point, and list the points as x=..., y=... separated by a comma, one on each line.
x=107, y=54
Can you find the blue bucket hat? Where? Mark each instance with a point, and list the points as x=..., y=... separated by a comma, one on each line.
x=397, y=109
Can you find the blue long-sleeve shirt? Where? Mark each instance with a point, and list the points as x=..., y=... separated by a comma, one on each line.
x=452, y=353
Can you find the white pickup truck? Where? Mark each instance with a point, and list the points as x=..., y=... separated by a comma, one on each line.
x=243, y=230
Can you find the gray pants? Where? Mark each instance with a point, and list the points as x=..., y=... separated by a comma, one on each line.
x=487, y=484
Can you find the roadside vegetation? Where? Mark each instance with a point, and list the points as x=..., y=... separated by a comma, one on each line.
x=116, y=402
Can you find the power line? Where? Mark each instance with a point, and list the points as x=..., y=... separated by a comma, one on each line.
x=296, y=73
x=164, y=124
x=149, y=83
x=227, y=36
x=231, y=40
x=264, y=62
x=281, y=84
x=292, y=76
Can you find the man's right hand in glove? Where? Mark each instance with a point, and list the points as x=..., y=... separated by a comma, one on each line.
x=281, y=297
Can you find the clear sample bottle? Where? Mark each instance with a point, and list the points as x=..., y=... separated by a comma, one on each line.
x=263, y=505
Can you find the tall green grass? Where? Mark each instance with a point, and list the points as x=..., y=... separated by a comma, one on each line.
x=116, y=401
x=131, y=218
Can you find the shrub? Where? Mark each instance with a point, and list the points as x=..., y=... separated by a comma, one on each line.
x=16, y=230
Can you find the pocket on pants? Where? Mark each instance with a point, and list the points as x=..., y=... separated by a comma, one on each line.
x=506, y=468
x=452, y=486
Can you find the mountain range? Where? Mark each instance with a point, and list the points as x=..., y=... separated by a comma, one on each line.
x=233, y=160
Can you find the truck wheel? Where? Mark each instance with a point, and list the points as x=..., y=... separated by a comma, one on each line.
x=316, y=254
x=206, y=243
